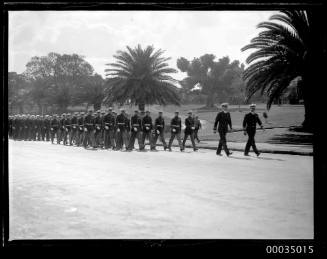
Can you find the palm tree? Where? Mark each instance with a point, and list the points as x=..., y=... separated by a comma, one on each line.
x=141, y=76
x=288, y=47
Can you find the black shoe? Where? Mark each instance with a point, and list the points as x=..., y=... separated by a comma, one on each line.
x=246, y=155
x=165, y=148
x=219, y=154
x=258, y=154
x=229, y=153
x=195, y=149
x=169, y=149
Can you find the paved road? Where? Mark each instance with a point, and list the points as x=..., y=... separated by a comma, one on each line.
x=67, y=192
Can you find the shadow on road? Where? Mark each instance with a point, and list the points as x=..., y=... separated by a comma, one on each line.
x=292, y=139
x=240, y=158
x=269, y=158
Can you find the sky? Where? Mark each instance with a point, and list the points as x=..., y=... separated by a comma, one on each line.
x=98, y=35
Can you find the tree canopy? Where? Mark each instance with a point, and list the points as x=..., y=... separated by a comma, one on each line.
x=220, y=80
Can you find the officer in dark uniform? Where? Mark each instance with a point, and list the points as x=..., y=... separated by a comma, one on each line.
x=159, y=131
x=80, y=130
x=54, y=128
x=108, y=124
x=34, y=127
x=176, y=127
x=89, y=130
x=47, y=127
x=223, y=120
x=250, y=122
x=98, y=129
x=39, y=123
x=67, y=127
x=14, y=127
x=146, y=129
x=74, y=129
x=61, y=130
x=136, y=126
x=42, y=130
x=198, y=126
x=23, y=129
x=122, y=128
x=189, y=130
x=10, y=119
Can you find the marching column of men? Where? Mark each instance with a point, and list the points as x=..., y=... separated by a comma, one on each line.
x=118, y=132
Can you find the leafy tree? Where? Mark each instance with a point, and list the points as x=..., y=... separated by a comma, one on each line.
x=141, y=76
x=291, y=45
x=56, y=77
x=91, y=91
x=220, y=80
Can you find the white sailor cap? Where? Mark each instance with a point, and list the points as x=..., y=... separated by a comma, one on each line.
x=224, y=104
x=252, y=105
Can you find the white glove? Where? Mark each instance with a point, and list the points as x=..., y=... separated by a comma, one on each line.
x=106, y=127
x=66, y=129
x=85, y=129
x=118, y=130
x=135, y=129
x=36, y=127
x=147, y=128
x=80, y=128
x=192, y=128
x=98, y=128
x=94, y=131
x=158, y=131
x=74, y=127
x=13, y=127
x=51, y=128
x=174, y=130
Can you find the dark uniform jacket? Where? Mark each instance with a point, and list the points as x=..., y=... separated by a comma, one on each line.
x=189, y=125
x=147, y=123
x=159, y=124
x=250, y=121
x=176, y=123
x=224, y=119
x=34, y=123
x=74, y=123
x=98, y=123
x=55, y=124
x=89, y=122
x=197, y=124
x=67, y=123
x=108, y=121
x=46, y=124
x=136, y=122
x=80, y=122
x=62, y=123
x=39, y=123
x=122, y=122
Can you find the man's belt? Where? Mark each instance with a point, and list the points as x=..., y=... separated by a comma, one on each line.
x=107, y=123
x=176, y=126
x=147, y=124
x=89, y=124
x=74, y=124
x=121, y=123
x=159, y=125
x=136, y=125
